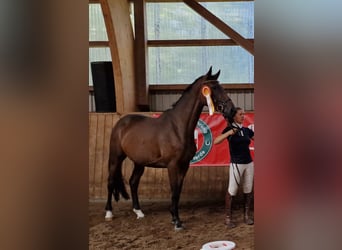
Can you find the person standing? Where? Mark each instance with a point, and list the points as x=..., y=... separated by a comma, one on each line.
x=241, y=168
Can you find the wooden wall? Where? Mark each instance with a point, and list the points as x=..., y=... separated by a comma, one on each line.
x=207, y=183
x=163, y=100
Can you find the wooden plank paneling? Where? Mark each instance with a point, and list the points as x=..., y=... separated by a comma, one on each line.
x=248, y=105
x=169, y=100
x=212, y=182
x=181, y=87
x=99, y=152
x=107, y=132
x=196, y=181
x=92, y=147
x=174, y=98
x=240, y=99
x=160, y=100
x=234, y=97
x=188, y=184
x=159, y=182
x=166, y=191
x=99, y=134
x=147, y=181
x=224, y=173
x=158, y=103
x=204, y=180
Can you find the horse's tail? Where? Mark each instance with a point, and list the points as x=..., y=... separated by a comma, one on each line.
x=118, y=181
x=116, y=157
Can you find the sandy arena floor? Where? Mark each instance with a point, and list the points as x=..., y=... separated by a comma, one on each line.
x=203, y=222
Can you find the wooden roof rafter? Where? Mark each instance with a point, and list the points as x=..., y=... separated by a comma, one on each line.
x=98, y=44
x=222, y=26
x=193, y=42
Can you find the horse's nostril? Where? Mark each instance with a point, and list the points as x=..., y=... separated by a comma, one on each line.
x=220, y=107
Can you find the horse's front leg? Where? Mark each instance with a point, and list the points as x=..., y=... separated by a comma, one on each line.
x=176, y=177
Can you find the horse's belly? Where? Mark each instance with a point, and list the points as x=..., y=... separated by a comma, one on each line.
x=145, y=157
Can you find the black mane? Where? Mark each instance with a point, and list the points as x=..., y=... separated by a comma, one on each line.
x=187, y=90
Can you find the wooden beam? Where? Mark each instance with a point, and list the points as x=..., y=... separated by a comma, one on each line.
x=98, y=44
x=222, y=26
x=193, y=42
x=141, y=54
x=181, y=87
x=121, y=43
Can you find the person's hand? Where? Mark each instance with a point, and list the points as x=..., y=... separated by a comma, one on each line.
x=233, y=131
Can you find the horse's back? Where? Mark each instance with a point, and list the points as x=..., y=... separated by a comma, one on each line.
x=126, y=123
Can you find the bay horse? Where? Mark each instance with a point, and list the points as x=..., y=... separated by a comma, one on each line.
x=163, y=142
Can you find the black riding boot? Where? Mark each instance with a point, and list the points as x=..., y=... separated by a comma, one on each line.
x=229, y=220
x=247, y=216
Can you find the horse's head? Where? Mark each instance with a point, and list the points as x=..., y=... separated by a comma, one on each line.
x=221, y=100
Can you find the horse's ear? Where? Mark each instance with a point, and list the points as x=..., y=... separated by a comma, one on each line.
x=209, y=72
x=216, y=75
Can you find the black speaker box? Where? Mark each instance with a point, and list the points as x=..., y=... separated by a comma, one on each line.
x=103, y=83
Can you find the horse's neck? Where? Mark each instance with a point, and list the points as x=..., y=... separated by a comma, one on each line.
x=189, y=108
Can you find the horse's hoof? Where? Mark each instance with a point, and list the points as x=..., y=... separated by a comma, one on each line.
x=139, y=213
x=178, y=225
x=249, y=221
x=109, y=216
x=174, y=222
x=179, y=228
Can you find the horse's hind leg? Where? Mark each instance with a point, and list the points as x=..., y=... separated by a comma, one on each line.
x=134, y=184
x=114, y=163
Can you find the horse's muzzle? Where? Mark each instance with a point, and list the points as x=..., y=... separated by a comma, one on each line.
x=226, y=108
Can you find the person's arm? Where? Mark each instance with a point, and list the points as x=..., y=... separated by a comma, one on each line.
x=251, y=134
x=223, y=136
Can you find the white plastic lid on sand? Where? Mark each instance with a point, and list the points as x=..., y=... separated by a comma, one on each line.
x=219, y=245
